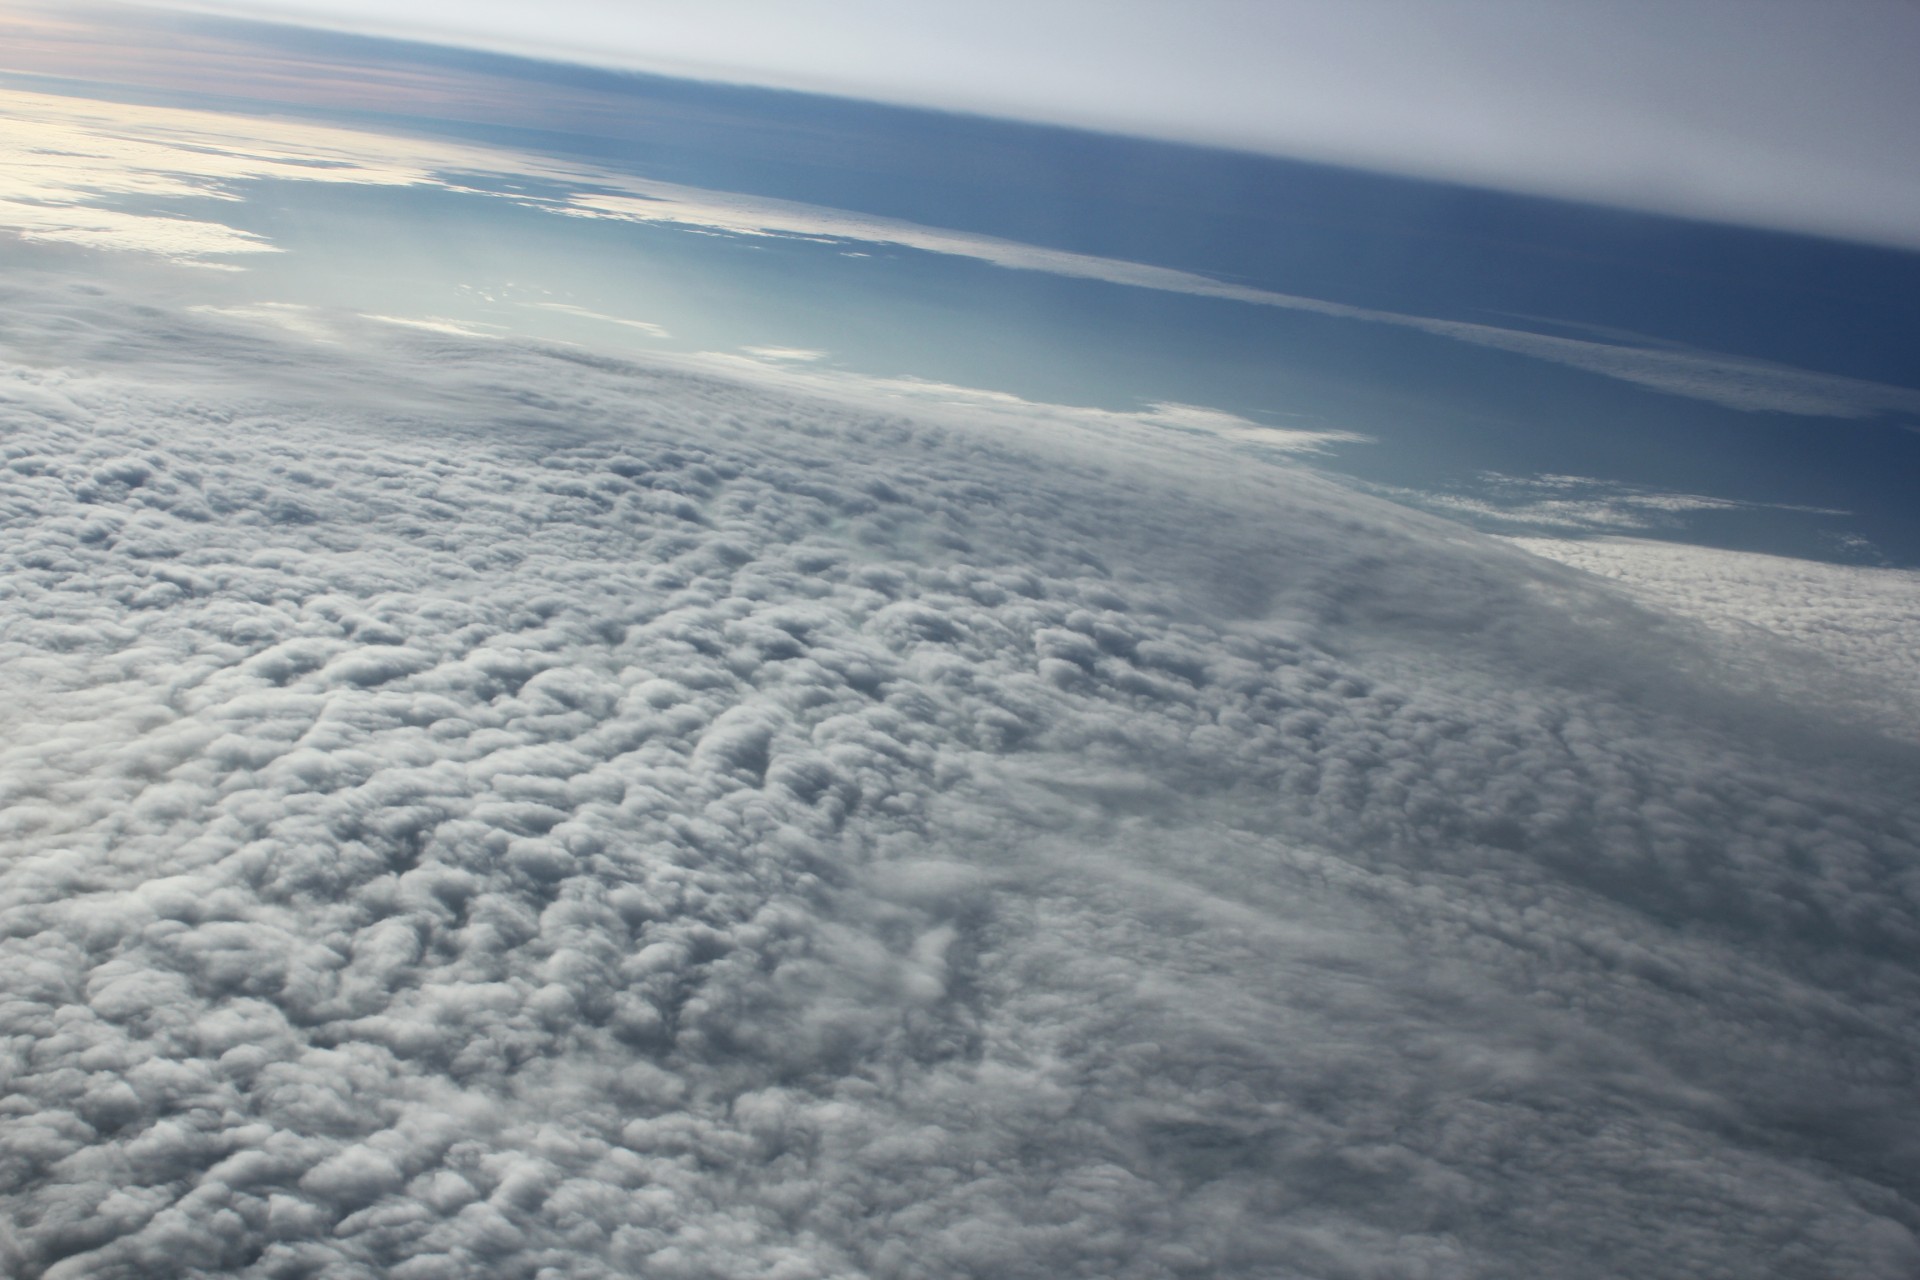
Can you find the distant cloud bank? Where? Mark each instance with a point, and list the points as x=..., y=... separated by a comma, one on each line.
x=474, y=809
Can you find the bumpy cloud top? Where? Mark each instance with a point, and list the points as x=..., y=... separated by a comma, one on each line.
x=477, y=810
x=1860, y=620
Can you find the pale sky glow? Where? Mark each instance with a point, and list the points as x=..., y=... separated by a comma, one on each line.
x=1788, y=115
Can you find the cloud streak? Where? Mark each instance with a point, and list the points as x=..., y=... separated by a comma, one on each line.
x=1579, y=504
x=1749, y=385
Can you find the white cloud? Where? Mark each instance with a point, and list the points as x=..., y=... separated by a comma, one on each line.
x=802, y=354
x=644, y=326
x=1782, y=611
x=655, y=822
x=943, y=401
x=436, y=324
x=73, y=167
x=1576, y=504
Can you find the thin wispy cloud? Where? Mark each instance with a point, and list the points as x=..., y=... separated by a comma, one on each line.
x=647, y=327
x=1736, y=383
x=1581, y=504
x=803, y=354
x=798, y=370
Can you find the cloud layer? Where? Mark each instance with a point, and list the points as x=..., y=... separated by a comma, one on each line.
x=1860, y=620
x=482, y=810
